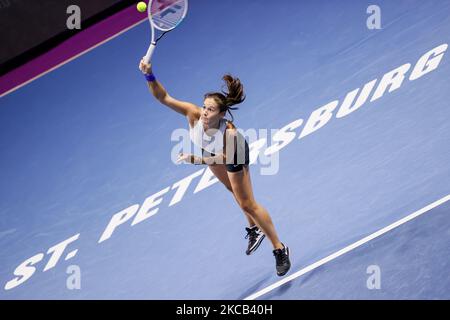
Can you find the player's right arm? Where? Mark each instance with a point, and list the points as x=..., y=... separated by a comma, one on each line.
x=187, y=109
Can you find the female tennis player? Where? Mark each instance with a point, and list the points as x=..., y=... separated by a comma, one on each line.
x=210, y=131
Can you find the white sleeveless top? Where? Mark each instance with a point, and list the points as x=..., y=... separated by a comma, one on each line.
x=213, y=142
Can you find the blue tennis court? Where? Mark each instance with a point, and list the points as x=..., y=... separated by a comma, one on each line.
x=87, y=179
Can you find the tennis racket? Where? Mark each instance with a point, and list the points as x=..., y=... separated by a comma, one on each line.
x=164, y=16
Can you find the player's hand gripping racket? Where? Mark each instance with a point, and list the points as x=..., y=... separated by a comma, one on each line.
x=164, y=15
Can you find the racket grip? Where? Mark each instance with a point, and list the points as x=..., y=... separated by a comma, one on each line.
x=149, y=54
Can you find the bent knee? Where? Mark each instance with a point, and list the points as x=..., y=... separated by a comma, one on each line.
x=249, y=206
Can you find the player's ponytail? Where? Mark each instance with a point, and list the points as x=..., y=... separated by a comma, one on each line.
x=235, y=94
x=232, y=96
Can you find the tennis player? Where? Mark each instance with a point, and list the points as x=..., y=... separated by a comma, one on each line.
x=226, y=152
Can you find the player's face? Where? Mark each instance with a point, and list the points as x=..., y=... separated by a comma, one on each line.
x=211, y=114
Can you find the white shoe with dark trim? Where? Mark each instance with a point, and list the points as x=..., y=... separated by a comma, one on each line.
x=255, y=236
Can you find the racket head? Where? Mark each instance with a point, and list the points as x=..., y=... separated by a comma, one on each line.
x=166, y=15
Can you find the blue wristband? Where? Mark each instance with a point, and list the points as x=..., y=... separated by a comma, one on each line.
x=150, y=77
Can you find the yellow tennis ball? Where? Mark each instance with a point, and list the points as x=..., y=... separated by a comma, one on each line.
x=141, y=6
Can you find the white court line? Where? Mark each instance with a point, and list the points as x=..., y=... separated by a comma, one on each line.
x=349, y=248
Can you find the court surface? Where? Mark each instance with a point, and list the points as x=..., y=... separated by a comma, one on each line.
x=87, y=141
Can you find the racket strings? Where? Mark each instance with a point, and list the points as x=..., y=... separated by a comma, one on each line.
x=167, y=14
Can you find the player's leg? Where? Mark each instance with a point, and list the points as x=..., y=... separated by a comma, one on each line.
x=254, y=234
x=242, y=188
x=220, y=172
x=241, y=185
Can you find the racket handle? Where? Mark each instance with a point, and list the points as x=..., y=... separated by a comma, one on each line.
x=148, y=55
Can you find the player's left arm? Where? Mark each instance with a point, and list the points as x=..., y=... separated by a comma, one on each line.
x=229, y=137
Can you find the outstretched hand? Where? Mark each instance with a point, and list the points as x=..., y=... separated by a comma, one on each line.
x=184, y=157
x=145, y=67
x=189, y=158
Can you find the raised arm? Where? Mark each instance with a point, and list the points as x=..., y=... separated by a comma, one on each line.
x=187, y=109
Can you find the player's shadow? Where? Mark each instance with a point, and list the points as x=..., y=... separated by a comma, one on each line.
x=296, y=283
x=255, y=287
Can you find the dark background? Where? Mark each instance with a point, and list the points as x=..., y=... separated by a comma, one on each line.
x=29, y=28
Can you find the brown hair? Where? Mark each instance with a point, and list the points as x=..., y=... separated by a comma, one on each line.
x=233, y=95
